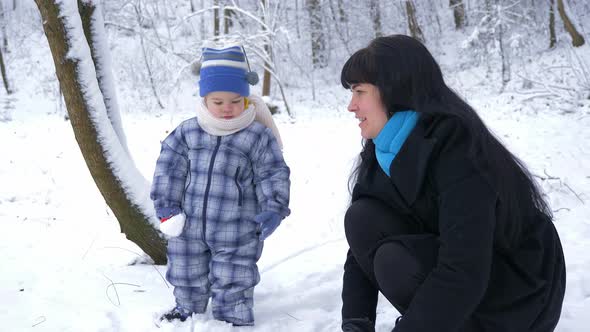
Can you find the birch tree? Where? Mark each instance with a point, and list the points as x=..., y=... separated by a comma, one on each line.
x=118, y=180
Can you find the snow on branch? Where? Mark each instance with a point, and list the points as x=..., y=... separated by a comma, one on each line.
x=132, y=181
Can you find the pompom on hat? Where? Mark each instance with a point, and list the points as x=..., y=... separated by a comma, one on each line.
x=225, y=69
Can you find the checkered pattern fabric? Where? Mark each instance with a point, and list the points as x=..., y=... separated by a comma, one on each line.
x=220, y=183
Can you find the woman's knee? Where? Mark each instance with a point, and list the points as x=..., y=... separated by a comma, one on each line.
x=398, y=273
x=353, y=219
x=368, y=221
x=360, y=225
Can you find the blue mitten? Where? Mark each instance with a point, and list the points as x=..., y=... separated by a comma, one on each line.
x=269, y=221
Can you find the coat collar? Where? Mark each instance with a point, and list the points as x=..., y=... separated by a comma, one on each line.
x=409, y=167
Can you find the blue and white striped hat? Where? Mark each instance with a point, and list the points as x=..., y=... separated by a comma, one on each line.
x=225, y=69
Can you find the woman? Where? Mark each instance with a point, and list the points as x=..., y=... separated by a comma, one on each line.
x=444, y=220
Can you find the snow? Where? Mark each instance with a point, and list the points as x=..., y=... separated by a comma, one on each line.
x=67, y=267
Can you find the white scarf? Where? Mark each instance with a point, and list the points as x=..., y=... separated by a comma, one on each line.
x=222, y=127
x=256, y=111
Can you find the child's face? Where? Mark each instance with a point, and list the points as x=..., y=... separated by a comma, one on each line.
x=224, y=105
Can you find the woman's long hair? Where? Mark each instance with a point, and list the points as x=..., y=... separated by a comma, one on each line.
x=408, y=77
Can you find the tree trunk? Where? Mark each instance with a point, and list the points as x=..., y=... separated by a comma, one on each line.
x=458, y=13
x=216, y=18
x=297, y=19
x=228, y=20
x=3, y=23
x=434, y=9
x=552, y=38
x=376, y=17
x=341, y=24
x=318, y=40
x=577, y=39
x=103, y=72
x=145, y=56
x=266, y=76
x=413, y=25
x=134, y=223
x=4, y=75
x=505, y=56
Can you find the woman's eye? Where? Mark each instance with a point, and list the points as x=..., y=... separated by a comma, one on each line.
x=218, y=103
x=236, y=101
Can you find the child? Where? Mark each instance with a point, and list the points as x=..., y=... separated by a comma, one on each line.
x=220, y=188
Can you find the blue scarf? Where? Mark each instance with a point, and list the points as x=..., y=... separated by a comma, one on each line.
x=392, y=137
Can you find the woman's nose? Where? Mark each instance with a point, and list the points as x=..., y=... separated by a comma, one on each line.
x=352, y=106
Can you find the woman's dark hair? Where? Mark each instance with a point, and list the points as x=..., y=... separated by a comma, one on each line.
x=408, y=77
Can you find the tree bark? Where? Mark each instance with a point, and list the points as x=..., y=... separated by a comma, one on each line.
x=134, y=223
x=376, y=17
x=4, y=74
x=228, y=20
x=216, y=30
x=458, y=13
x=318, y=40
x=413, y=25
x=552, y=37
x=577, y=39
x=266, y=76
x=3, y=23
x=505, y=56
x=341, y=24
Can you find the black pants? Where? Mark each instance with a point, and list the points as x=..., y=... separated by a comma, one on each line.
x=388, y=254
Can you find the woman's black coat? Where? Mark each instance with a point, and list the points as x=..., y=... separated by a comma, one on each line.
x=474, y=286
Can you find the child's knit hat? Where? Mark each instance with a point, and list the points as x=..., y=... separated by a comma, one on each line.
x=225, y=69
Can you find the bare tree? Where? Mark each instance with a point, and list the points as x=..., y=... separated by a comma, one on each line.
x=458, y=13
x=228, y=20
x=340, y=20
x=266, y=76
x=4, y=75
x=504, y=51
x=216, y=30
x=552, y=37
x=263, y=42
x=146, y=58
x=376, y=17
x=94, y=137
x=4, y=48
x=3, y=23
x=413, y=25
x=318, y=39
x=202, y=25
x=577, y=39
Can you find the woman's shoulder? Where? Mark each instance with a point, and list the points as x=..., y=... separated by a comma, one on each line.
x=443, y=126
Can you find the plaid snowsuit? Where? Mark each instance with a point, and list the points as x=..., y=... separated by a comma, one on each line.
x=220, y=183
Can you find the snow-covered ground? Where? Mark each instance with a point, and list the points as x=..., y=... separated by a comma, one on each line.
x=66, y=267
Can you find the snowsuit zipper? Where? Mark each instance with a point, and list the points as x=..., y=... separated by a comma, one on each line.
x=209, y=186
x=239, y=187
